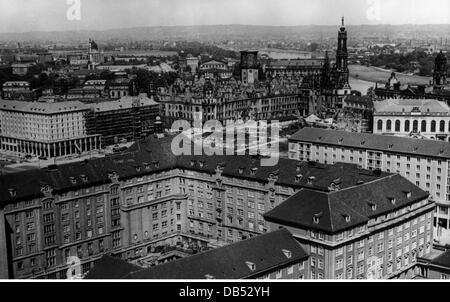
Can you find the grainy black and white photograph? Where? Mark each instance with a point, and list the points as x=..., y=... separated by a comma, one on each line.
x=229, y=140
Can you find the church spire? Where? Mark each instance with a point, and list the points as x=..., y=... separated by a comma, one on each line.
x=343, y=21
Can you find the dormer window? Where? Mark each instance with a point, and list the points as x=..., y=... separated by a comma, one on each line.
x=146, y=166
x=391, y=146
x=156, y=163
x=287, y=253
x=299, y=167
x=202, y=164
x=241, y=170
x=363, y=143
x=73, y=180
x=340, y=140
x=138, y=168
x=316, y=218
x=84, y=178
x=319, y=138
x=298, y=177
x=251, y=265
x=12, y=192
x=192, y=163
x=373, y=206
x=253, y=171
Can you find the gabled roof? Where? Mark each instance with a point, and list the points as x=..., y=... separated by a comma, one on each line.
x=339, y=210
x=384, y=143
x=244, y=259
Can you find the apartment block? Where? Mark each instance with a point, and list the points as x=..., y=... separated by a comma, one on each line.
x=423, y=162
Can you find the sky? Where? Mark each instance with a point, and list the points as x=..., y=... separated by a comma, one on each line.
x=60, y=15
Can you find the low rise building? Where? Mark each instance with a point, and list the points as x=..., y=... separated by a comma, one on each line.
x=275, y=255
x=127, y=119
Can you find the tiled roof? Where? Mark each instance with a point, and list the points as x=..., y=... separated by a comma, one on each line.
x=111, y=268
x=407, y=105
x=385, y=143
x=244, y=259
x=339, y=210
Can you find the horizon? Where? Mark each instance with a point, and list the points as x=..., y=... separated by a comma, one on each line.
x=27, y=16
x=218, y=25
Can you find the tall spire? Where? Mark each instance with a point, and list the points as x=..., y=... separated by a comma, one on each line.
x=343, y=21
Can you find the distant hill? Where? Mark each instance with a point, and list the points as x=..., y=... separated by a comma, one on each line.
x=234, y=32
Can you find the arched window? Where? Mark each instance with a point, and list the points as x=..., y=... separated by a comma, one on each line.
x=380, y=125
x=423, y=128
x=389, y=125
x=441, y=126
x=397, y=126
x=407, y=126
x=433, y=126
x=415, y=126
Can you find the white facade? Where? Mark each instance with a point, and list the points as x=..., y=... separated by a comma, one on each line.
x=431, y=174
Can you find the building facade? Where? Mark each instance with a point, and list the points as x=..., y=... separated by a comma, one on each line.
x=129, y=204
x=126, y=119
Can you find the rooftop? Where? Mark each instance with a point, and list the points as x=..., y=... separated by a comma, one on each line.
x=411, y=105
x=384, y=143
x=342, y=209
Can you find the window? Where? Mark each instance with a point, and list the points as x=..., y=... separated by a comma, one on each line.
x=389, y=125
x=380, y=125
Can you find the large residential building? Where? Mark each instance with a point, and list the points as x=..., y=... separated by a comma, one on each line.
x=376, y=230
x=412, y=117
x=128, y=204
x=275, y=255
x=45, y=129
x=127, y=119
x=424, y=162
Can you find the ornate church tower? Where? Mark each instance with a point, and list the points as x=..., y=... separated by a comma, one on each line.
x=440, y=70
x=342, y=59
